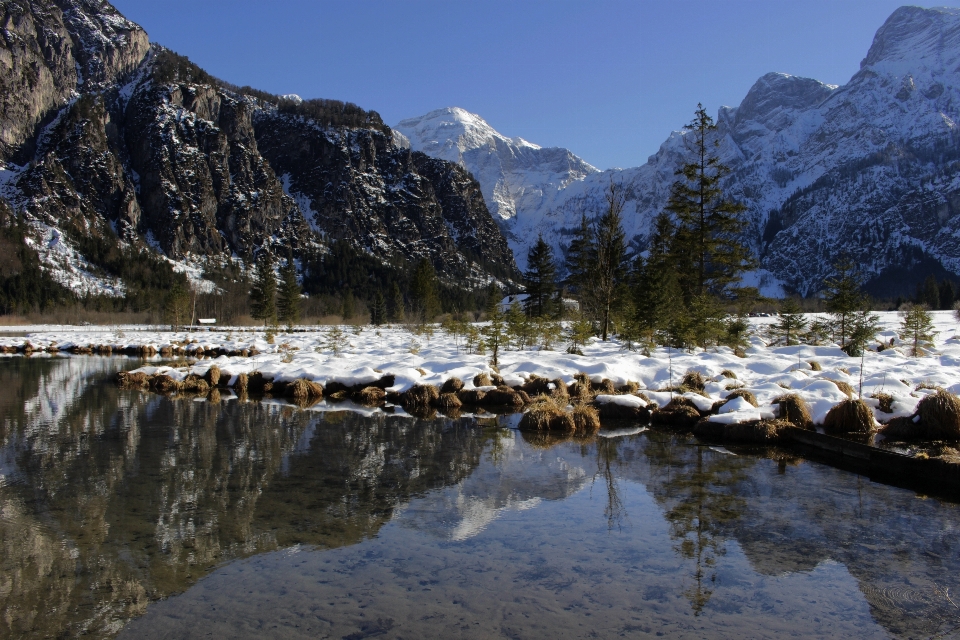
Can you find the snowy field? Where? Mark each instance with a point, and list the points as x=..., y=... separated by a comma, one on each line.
x=370, y=353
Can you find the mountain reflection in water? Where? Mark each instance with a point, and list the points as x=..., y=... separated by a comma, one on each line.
x=114, y=504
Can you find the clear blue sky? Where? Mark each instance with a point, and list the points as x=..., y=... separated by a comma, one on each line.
x=608, y=80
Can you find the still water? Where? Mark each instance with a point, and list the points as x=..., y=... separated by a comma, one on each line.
x=127, y=514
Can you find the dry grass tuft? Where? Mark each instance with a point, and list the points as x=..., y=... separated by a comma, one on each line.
x=419, y=396
x=927, y=385
x=212, y=376
x=693, y=380
x=676, y=415
x=164, y=384
x=505, y=396
x=194, y=384
x=844, y=387
x=471, y=396
x=794, y=410
x=559, y=392
x=605, y=386
x=580, y=390
x=214, y=396
x=849, y=416
x=482, y=380
x=544, y=414
x=257, y=383
x=451, y=385
x=630, y=388
x=814, y=365
x=129, y=380
x=369, y=396
x=726, y=373
x=746, y=395
x=940, y=415
x=585, y=419
x=303, y=389
x=241, y=384
x=843, y=370
x=760, y=431
x=885, y=400
x=536, y=386
x=448, y=402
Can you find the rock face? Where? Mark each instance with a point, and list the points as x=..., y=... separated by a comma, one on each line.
x=867, y=169
x=110, y=142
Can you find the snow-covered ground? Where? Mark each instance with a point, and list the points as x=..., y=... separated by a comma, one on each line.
x=368, y=354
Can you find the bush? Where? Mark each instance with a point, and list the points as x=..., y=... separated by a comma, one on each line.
x=849, y=416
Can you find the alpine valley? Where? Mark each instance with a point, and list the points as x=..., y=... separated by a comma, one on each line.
x=867, y=170
x=118, y=155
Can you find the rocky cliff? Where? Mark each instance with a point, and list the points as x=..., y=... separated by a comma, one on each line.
x=112, y=145
x=866, y=170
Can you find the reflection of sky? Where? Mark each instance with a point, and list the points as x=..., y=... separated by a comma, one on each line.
x=511, y=476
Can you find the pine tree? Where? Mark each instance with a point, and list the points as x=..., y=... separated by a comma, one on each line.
x=263, y=295
x=843, y=296
x=608, y=272
x=423, y=291
x=579, y=259
x=176, y=307
x=948, y=295
x=540, y=280
x=348, y=307
x=709, y=255
x=397, y=305
x=378, y=313
x=790, y=323
x=916, y=326
x=657, y=295
x=929, y=293
x=288, y=300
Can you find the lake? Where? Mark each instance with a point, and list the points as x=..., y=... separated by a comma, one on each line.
x=129, y=514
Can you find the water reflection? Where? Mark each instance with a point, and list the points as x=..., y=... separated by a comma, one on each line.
x=111, y=500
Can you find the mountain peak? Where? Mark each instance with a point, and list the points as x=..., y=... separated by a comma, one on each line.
x=916, y=34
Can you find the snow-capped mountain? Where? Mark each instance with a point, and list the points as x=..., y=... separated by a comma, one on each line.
x=868, y=169
x=516, y=177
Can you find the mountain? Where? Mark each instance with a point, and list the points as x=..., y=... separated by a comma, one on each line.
x=868, y=169
x=114, y=148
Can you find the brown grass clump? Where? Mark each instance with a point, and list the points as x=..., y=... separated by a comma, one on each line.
x=746, y=395
x=241, y=384
x=544, y=414
x=940, y=415
x=843, y=370
x=814, y=365
x=537, y=386
x=693, y=380
x=369, y=396
x=505, y=396
x=586, y=420
x=760, y=431
x=497, y=379
x=885, y=400
x=482, y=380
x=849, y=416
x=451, y=385
x=726, y=373
x=605, y=386
x=338, y=396
x=257, y=383
x=610, y=410
x=212, y=376
x=580, y=390
x=165, y=384
x=794, y=410
x=708, y=430
x=630, y=388
x=194, y=384
x=678, y=416
x=448, y=402
x=132, y=380
x=471, y=396
x=559, y=392
x=926, y=385
x=844, y=387
x=303, y=389
x=214, y=396
x=419, y=395
x=902, y=428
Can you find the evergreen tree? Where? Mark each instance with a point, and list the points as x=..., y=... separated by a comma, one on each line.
x=948, y=295
x=397, y=305
x=790, y=322
x=288, y=300
x=263, y=295
x=843, y=297
x=608, y=272
x=494, y=332
x=863, y=329
x=916, y=327
x=348, y=307
x=540, y=280
x=709, y=256
x=423, y=291
x=657, y=294
x=579, y=259
x=176, y=308
x=378, y=313
x=929, y=293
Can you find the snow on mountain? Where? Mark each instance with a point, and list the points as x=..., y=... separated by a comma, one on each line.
x=868, y=169
x=518, y=179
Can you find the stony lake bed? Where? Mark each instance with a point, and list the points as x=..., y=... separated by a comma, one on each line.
x=128, y=512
